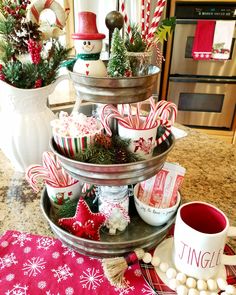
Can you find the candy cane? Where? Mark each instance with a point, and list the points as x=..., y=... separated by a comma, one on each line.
x=138, y=119
x=106, y=117
x=115, y=116
x=49, y=162
x=167, y=132
x=38, y=6
x=88, y=189
x=35, y=174
x=126, y=19
x=167, y=110
x=164, y=110
x=156, y=18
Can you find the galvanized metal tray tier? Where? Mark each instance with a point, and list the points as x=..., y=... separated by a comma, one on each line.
x=137, y=234
x=115, y=90
x=116, y=174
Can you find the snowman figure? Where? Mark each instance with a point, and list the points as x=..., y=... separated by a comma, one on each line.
x=88, y=46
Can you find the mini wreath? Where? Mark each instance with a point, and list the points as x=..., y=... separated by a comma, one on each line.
x=38, y=6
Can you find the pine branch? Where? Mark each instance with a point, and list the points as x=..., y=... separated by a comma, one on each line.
x=20, y=75
x=138, y=44
x=6, y=51
x=6, y=26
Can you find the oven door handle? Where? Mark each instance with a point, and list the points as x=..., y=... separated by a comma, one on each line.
x=194, y=79
x=186, y=21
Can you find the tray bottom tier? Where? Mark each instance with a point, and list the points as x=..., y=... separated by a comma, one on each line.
x=138, y=234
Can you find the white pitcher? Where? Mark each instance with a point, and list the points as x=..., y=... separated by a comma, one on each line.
x=25, y=128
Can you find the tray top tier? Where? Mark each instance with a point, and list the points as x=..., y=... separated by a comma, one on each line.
x=115, y=90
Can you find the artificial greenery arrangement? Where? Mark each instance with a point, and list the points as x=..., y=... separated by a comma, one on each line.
x=26, y=60
x=108, y=150
x=139, y=43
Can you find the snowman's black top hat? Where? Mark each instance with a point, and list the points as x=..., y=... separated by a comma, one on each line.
x=87, y=28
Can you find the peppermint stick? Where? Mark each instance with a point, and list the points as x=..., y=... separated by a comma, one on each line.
x=156, y=18
x=148, y=6
x=126, y=19
x=143, y=19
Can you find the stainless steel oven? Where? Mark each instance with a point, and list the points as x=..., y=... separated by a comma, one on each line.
x=204, y=91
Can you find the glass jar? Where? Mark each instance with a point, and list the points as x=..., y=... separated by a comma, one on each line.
x=114, y=204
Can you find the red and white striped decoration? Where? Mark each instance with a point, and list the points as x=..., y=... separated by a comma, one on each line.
x=162, y=113
x=126, y=20
x=143, y=18
x=38, y=6
x=51, y=173
x=148, y=7
x=71, y=146
x=156, y=19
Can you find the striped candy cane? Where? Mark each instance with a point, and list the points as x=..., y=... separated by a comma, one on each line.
x=49, y=162
x=156, y=18
x=126, y=19
x=167, y=111
x=36, y=175
x=166, y=124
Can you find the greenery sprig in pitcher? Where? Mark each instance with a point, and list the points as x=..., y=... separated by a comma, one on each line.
x=27, y=59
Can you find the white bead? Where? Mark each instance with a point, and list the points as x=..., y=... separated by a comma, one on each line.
x=223, y=293
x=201, y=285
x=193, y=291
x=112, y=231
x=212, y=285
x=214, y=293
x=121, y=227
x=221, y=283
x=147, y=257
x=171, y=273
x=230, y=289
x=173, y=284
x=204, y=292
x=191, y=283
x=155, y=261
x=163, y=266
x=181, y=277
x=182, y=290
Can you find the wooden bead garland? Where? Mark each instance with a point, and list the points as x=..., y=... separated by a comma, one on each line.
x=184, y=285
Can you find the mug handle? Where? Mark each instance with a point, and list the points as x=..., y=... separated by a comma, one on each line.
x=230, y=259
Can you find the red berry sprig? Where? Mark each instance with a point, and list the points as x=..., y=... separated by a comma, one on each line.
x=15, y=10
x=38, y=83
x=34, y=48
x=2, y=76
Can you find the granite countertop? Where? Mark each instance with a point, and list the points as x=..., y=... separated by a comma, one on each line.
x=210, y=177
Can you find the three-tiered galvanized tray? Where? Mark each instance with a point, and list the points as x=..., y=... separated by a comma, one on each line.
x=138, y=233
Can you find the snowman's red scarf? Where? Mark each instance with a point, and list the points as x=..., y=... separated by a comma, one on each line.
x=89, y=56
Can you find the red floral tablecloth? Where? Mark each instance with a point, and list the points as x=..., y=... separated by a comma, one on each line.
x=34, y=265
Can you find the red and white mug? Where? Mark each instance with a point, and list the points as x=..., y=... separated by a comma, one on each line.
x=199, y=239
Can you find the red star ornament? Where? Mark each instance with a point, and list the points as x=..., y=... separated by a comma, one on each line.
x=85, y=224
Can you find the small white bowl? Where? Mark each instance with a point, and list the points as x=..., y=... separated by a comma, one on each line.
x=154, y=216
